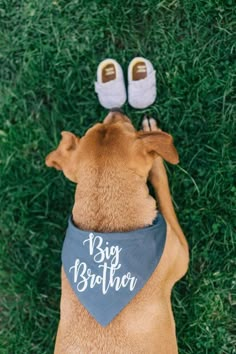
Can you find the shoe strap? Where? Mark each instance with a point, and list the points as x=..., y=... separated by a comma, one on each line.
x=144, y=84
x=109, y=88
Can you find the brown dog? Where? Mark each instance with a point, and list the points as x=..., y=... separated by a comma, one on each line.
x=111, y=165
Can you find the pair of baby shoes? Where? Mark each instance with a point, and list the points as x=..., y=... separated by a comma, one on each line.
x=110, y=85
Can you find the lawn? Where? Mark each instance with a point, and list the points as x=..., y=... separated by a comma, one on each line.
x=49, y=52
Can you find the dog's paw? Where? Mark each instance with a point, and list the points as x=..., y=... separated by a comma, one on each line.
x=150, y=124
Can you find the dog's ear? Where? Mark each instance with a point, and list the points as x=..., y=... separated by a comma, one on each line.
x=160, y=143
x=61, y=158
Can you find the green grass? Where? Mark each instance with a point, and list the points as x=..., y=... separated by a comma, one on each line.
x=49, y=52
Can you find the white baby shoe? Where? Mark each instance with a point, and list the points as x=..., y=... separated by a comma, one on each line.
x=110, y=85
x=141, y=83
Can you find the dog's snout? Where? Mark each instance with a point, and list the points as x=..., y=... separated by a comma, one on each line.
x=116, y=109
x=115, y=115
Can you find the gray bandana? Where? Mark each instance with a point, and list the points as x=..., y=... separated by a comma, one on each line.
x=106, y=270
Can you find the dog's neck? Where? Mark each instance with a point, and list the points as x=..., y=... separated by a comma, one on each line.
x=109, y=203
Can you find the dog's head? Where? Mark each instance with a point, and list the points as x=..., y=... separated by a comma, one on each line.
x=114, y=143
